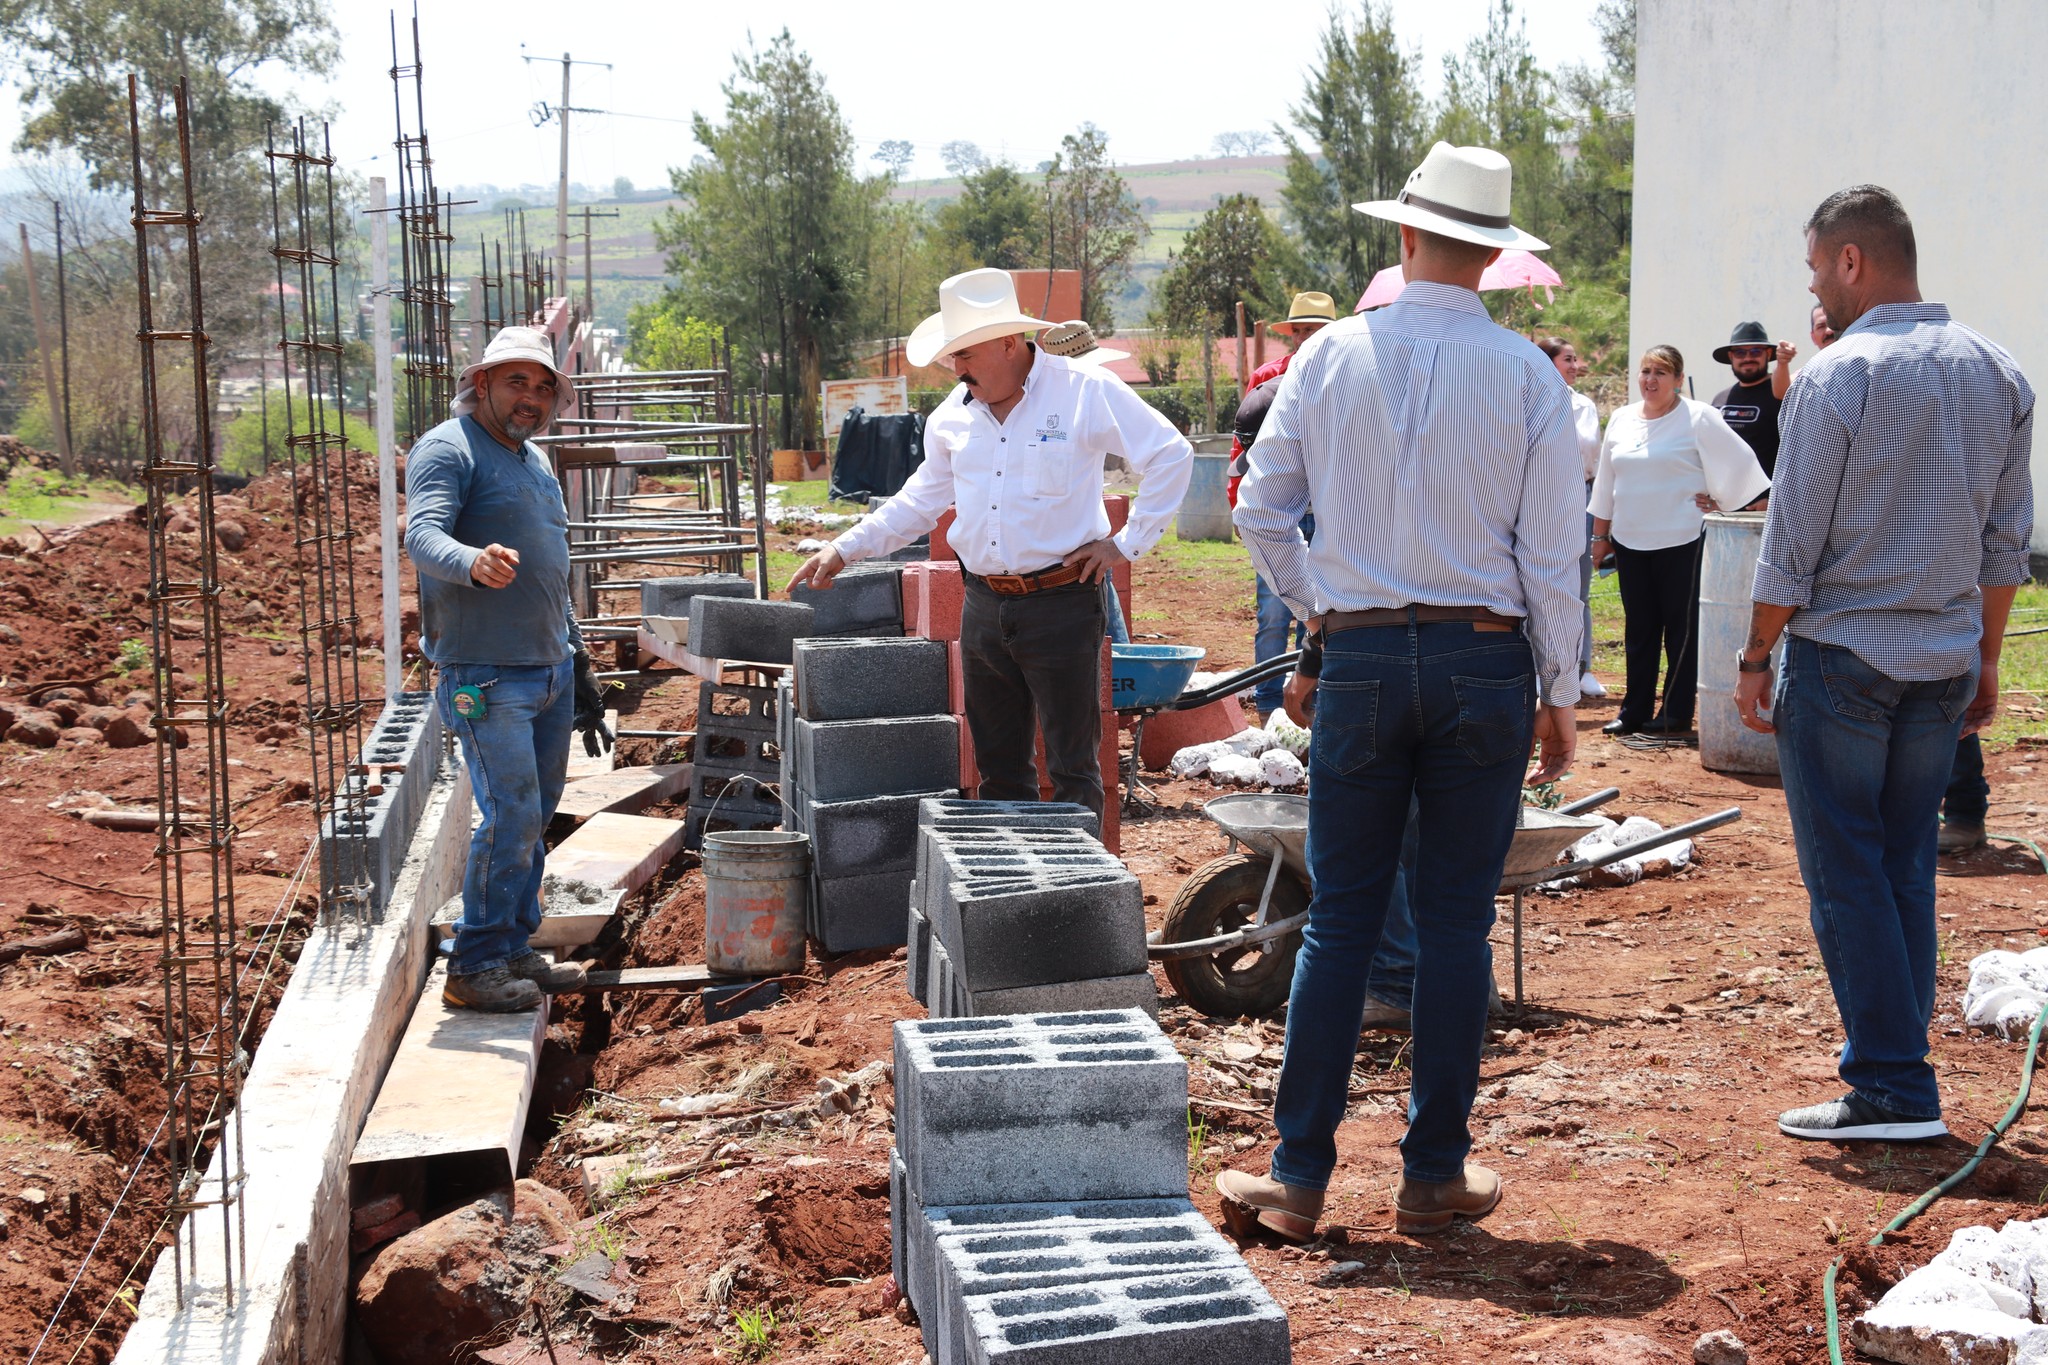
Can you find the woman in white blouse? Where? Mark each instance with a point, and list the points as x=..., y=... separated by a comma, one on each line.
x=1586, y=423
x=1659, y=459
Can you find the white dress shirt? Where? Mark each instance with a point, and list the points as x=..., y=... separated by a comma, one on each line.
x=1650, y=468
x=1586, y=422
x=1438, y=453
x=1028, y=489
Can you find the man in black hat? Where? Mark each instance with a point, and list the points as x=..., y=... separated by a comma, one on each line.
x=1750, y=404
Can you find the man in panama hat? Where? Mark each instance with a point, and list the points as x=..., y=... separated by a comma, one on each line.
x=1017, y=447
x=487, y=530
x=1438, y=455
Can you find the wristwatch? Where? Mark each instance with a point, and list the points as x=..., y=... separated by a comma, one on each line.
x=1743, y=665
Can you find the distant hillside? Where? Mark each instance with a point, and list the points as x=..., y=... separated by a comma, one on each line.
x=627, y=266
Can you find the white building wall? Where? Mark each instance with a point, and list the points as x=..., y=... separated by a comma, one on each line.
x=1750, y=112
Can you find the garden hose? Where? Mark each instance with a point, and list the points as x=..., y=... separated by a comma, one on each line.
x=1921, y=1205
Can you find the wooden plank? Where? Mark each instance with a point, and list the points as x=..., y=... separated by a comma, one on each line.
x=458, y=1087
x=625, y=790
x=617, y=850
x=680, y=656
x=689, y=977
x=581, y=764
x=312, y=1082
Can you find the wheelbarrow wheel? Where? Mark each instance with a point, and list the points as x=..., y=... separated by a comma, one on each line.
x=1221, y=897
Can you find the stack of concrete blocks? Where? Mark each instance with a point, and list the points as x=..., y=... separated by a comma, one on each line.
x=672, y=596
x=1018, y=908
x=864, y=602
x=732, y=763
x=933, y=595
x=866, y=741
x=376, y=807
x=745, y=630
x=1038, y=1200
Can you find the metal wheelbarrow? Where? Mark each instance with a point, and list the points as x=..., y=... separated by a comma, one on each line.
x=1233, y=930
x=1142, y=686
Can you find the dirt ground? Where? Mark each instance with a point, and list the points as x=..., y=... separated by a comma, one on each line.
x=1649, y=1197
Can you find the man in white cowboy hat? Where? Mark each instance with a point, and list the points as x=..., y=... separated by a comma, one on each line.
x=1441, y=592
x=486, y=528
x=1018, y=449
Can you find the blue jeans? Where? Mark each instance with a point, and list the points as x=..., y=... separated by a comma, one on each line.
x=1439, y=715
x=1864, y=759
x=518, y=758
x=1276, y=626
x=1391, y=979
x=1968, y=798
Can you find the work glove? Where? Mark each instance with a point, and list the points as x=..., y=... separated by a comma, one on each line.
x=590, y=707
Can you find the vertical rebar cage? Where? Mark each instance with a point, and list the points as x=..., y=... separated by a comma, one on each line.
x=204, y=1062
x=309, y=346
x=425, y=245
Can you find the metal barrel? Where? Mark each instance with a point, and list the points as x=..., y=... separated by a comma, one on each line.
x=1205, y=511
x=755, y=883
x=1727, y=575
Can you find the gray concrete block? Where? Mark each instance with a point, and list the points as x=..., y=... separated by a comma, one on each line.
x=1061, y=927
x=869, y=835
x=360, y=846
x=852, y=913
x=933, y=840
x=940, y=989
x=1012, y=814
x=923, y=1229
x=1135, y=991
x=1219, y=1316
x=864, y=596
x=406, y=739
x=843, y=759
x=918, y=938
x=672, y=596
x=861, y=679
x=1040, y=1108
x=747, y=630
x=980, y=1264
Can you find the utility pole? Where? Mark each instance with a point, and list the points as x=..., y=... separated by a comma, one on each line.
x=562, y=112
x=589, y=290
x=35, y=308
x=63, y=322
x=387, y=436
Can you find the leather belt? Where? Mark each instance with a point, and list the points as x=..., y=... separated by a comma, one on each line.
x=1017, y=584
x=1482, y=617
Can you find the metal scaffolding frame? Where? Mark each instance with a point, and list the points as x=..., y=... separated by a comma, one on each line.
x=203, y=1014
x=303, y=224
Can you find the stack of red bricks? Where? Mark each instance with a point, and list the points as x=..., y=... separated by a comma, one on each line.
x=933, y=594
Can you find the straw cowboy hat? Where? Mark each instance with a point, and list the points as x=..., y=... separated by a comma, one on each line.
x=973, y=307
x=510, y=344
x=1076, y=342
x=1461, y=193
x=1311, y=307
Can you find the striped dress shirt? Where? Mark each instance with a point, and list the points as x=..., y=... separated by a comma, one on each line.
x=1439, y=455
x=1902, y=486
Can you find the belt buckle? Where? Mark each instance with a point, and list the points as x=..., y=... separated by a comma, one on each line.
x=1008, y=584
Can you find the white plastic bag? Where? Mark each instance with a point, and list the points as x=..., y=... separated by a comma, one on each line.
x=1194, y=760
x=1234, y=770
x=1287, y=734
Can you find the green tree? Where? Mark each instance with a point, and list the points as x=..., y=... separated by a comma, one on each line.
x=1495, y=95
x=775, y=226
x=1598, y=188
x=1356, y=136
x=1227, y=257
x=1095, y=224
x=661, y=336
x=244, y=449
x=998, y=220
x=74, y=60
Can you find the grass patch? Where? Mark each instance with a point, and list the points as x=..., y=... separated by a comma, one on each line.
x=47, y=498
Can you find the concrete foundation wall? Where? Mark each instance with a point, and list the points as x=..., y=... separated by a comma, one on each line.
x=1750, y=112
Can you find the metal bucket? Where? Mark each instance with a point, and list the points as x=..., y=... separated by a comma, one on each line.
x=1205, y=511
x=1727, y=578
x=755, y=883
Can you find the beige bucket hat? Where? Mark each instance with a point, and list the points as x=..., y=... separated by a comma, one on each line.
x=513, y=343
x=1461, y=193
x=973, y=307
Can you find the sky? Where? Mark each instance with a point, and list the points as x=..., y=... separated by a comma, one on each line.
x=1160, y=80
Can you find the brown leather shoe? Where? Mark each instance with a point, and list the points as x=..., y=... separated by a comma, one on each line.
x=1421, y=1207
x=1252, y=1201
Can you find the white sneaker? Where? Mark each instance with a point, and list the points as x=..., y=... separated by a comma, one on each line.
x=1590, y=686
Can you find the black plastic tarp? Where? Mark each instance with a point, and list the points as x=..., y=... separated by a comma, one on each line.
x=876, y=455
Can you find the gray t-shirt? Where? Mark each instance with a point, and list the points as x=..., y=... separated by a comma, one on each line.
x=465, y=491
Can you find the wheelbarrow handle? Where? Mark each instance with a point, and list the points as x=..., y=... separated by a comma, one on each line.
x=1242, y=938
x=1669, y=836
x=1586, y=803
x=1234, y=683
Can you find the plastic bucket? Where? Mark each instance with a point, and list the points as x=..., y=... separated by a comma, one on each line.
x=755, y=884
x=1727, y=578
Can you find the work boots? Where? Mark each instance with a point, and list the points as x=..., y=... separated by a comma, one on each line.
x=1252, y=1201
x=1421, y=1206
x=553, y=978
x=494, y=990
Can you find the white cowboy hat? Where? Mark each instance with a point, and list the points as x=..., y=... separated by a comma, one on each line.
x=973, y=307
x=1310, y=306
x=1076, y=341
x=1462, y=193
x=513, y=343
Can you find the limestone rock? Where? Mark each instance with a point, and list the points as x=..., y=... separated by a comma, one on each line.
x=434, y=1294
x=1720, y=1348
x=1940, y=1284
x=1945, y=1334
x=2002, y=1260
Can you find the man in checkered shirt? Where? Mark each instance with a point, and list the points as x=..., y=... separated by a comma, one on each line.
x=1898, y=532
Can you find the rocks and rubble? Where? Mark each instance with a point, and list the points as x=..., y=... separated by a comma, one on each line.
x=1661, y=860
x=1983, y=1299
x=2006, y=991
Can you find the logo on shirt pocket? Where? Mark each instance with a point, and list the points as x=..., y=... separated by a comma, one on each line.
x=1741, y=414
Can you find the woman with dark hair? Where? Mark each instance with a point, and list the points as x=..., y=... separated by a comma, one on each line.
x=1586, y=423
x=1660, y=458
